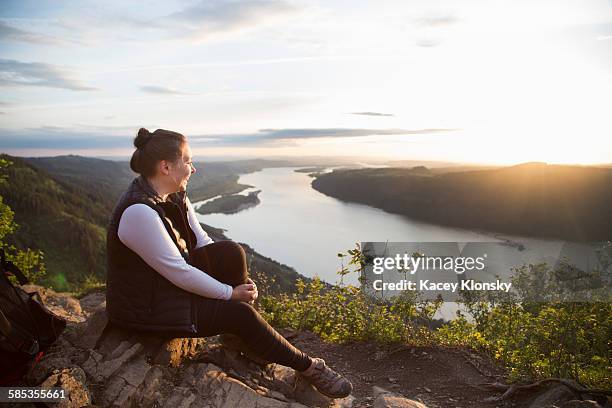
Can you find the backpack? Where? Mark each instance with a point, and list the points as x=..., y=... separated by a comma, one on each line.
x=27, y=327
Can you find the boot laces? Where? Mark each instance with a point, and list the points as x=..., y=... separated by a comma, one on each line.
x=325, y=373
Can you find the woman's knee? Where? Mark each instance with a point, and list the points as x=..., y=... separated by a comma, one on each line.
x=245, y=311
x=230, y=248
x=235, y=262
x=224, y=260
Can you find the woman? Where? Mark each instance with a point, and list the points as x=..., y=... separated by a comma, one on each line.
x=165, y=274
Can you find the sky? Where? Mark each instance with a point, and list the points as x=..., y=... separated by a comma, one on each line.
x=489, y=81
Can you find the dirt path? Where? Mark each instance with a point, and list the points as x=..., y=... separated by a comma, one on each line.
x=437, y=377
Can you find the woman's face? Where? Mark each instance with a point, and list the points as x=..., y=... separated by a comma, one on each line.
x=182, y=169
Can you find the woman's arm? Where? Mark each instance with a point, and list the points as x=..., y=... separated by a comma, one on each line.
x=202, y=237
x=142, y=230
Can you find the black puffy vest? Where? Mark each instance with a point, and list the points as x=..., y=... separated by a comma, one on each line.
x=137, y=296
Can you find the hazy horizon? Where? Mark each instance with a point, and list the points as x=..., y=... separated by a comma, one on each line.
x=328, y=160
x=470, y=82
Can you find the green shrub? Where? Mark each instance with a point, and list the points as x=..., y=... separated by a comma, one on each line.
x=344, y=313
x=541, y=331
x=29, y=261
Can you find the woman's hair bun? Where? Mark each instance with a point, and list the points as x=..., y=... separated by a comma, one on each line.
x=143, y=137
x=160, y=145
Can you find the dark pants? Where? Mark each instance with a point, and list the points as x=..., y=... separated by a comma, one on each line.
x=226, y=262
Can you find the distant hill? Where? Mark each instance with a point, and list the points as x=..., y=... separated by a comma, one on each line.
x=534, y=199
x=112, y=177
x=429, y=163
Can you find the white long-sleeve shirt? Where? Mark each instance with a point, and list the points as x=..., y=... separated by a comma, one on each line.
x=142, y=230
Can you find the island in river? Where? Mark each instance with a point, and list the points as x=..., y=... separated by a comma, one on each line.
x=230, y=204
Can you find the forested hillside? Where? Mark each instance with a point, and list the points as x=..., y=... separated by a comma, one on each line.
x=63, y=220
x=104, y=180
x=534, y=199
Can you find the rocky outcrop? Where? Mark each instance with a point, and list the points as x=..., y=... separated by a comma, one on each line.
x=562, y=397
x=388, y=399
x=107, y=366
x=554, y=396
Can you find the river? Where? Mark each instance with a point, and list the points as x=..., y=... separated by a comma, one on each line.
x=300, y=227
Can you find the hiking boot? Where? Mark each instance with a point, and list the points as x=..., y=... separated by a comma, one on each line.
x=327, y=381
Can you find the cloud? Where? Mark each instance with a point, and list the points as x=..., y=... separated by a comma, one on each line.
x=57, y=138
x=207, y=17
x=80, y=136
x=428, y=42
x=97, y=25
x=371, y=114
x=15, y=73
x=440, y=20
x=339, y=132
x=162, y=90
x=432, y=28
x=604, y=37
x=197, y=21
x=280, y=137
x=106, y=129
x=101, y=137
x=10, y=33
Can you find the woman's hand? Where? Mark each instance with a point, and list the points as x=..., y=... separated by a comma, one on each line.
x=256, y=294
x=247, y=292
